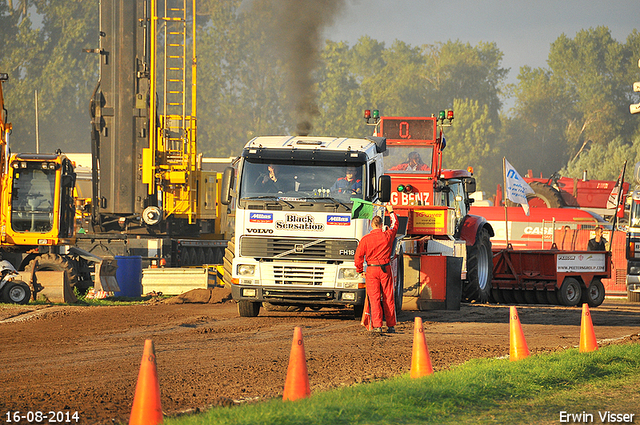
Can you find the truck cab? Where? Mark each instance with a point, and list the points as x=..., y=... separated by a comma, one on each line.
x=295, y=238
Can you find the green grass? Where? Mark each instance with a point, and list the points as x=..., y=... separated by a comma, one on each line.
x=533, y=390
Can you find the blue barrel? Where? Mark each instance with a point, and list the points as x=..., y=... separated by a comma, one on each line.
x=129, y=276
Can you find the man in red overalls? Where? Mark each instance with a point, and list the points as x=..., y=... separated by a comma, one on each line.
x=376, y=248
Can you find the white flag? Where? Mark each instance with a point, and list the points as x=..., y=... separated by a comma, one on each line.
x=516, y=189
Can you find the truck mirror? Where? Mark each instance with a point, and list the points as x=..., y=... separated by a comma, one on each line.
x=227, y=184
x=470, y=185
x=384, y=188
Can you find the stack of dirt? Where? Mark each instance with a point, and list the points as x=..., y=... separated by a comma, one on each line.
x=202, y=296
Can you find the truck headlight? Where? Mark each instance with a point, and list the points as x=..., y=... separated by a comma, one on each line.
x=348, y=274
x=348, y=296
x=246, y=269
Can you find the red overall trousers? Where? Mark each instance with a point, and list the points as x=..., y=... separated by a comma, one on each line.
x=376, y=248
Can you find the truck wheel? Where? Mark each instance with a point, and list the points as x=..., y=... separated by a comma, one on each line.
x=248, y=308
x=594, y=294
x=227, y=264
x=55, y=262
x=479, y=269
x=633, y=297
x=16, y=292
x=570, y=292
x=358, y=311
x=552, y=297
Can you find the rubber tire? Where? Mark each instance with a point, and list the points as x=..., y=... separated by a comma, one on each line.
x=248, y=308
x=633, y=297
x=570, y=293
x=16, y=292
x=547, y=194
x=507, y=294
x=55, y=262
x=552, y=297
x=358, y=311
x=201, y=257
x=541, y=297
x=398, y=292
x=594, y=294
x=479, y=269
x=496, y=294
x=227, y=264
x=518, y=294
x=530, y=296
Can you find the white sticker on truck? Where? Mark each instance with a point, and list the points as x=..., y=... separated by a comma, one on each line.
x=581, y=263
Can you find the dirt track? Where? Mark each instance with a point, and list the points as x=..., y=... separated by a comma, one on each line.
x=86, y=359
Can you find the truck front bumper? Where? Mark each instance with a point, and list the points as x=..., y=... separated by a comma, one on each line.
x=299, y=296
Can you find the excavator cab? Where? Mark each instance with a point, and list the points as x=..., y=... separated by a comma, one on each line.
x=41, y=210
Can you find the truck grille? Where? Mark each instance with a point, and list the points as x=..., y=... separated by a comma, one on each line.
x=297, y=275
x=298, y=249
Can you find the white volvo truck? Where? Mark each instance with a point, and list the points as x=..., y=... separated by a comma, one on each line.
x=295, y=240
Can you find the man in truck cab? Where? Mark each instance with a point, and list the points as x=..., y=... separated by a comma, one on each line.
x=349, y=184
x=375, y=247
x=413, y=163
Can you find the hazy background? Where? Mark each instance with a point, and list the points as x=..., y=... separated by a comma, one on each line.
x=523, y=30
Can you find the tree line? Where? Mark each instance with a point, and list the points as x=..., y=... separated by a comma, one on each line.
x=569, y=116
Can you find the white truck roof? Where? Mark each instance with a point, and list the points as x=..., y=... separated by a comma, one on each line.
x=311, y=143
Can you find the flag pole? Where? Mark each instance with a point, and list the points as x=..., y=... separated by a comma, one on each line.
x=504, y=182
x=615, y=214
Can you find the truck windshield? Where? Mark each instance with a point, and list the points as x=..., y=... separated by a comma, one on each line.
x=408, y=159
x=298, y=182
x=634, y=214
x=32, y=199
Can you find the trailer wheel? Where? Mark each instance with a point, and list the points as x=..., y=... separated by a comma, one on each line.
x=248, y=308
x=570, y=292
x=594, y=294
x=479, y=269
x=55, y=262
x=16, y=292
x=552, y=297
x=633, y=297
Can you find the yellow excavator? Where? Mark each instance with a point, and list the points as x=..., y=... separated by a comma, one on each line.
x=37, y=219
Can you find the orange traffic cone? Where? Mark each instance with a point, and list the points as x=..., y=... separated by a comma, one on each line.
x=517, y=344
x=366, y=315
x=587, y=334
x=146, y=408
x=420, y=360
x=297, y=384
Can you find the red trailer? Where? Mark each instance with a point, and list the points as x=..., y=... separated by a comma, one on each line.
x=550, y=276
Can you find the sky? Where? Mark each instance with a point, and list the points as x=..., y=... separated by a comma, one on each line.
x=522, y=30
